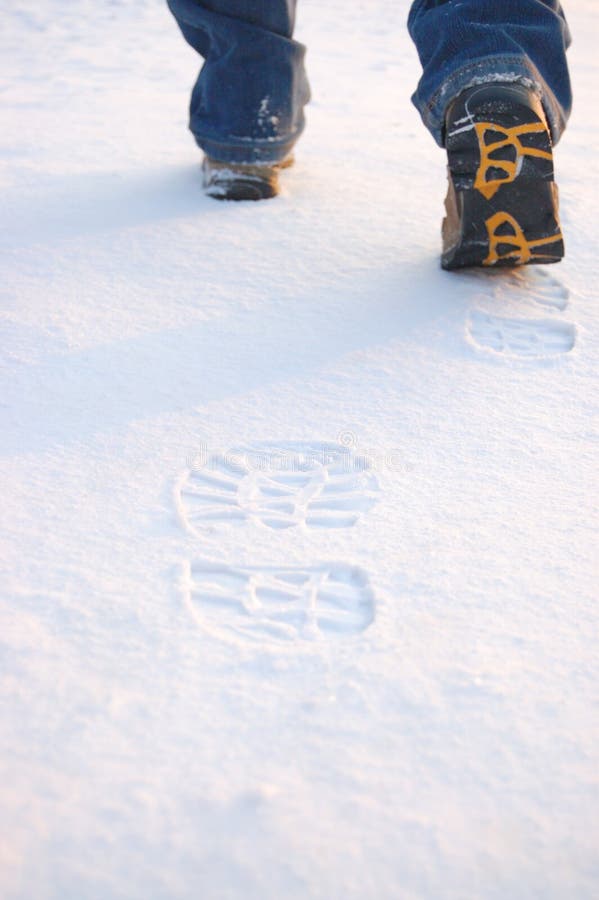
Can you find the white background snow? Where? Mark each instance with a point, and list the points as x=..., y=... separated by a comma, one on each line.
x=371, y=674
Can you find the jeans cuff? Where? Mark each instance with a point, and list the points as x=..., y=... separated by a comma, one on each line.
x=250, y=152
x=484, y=71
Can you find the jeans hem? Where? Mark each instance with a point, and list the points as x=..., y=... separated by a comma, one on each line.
x=499, y=68
x=248, y=151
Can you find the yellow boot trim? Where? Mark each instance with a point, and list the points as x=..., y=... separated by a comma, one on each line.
x=511, y=168
x=524, y=249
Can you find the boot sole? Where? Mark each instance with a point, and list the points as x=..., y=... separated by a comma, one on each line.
x=502, y=202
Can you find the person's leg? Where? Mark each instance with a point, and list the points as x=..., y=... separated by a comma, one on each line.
x=462, y=43
x=495, y=92
x=247, y=104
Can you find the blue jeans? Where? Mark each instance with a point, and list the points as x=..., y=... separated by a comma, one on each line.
x=247, y=104
x=470, y=42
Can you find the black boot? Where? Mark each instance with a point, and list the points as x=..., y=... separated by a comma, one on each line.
x=242, y=181
x=502, y=203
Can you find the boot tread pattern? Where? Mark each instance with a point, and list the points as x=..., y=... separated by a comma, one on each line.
x=502, y=204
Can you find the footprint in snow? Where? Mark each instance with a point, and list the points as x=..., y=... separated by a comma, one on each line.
x=278, y=605
x=279, y=487
x=539, y=286
x=521, y=338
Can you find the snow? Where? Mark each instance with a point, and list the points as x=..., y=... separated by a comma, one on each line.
x=299, y=545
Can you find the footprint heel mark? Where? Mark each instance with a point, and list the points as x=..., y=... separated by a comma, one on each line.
x=278, y=605
x=537, y=285
x=204, y=500
x=527, y=339
x=312, y=485
x=547, y=290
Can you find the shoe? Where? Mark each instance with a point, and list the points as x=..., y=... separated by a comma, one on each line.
x=502, y=201
x=242, y=181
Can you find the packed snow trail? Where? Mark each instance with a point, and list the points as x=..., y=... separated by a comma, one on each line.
x=299, y=596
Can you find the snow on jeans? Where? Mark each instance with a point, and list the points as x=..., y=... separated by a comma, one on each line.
x=247, y=104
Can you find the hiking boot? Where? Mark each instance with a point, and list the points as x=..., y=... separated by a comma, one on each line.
x=502, y=203
x=242, y=181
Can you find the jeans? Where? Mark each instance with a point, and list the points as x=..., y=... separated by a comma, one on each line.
x=466, y=42
x=247, y=104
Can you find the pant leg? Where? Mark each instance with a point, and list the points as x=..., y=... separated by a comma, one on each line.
x=466, y=42
x=247, y=104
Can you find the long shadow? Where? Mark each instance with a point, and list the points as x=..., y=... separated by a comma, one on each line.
x=50, y=208
x=67, y=397
x=57, y=396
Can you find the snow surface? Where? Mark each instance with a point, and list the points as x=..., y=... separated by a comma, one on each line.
x=299, y=597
